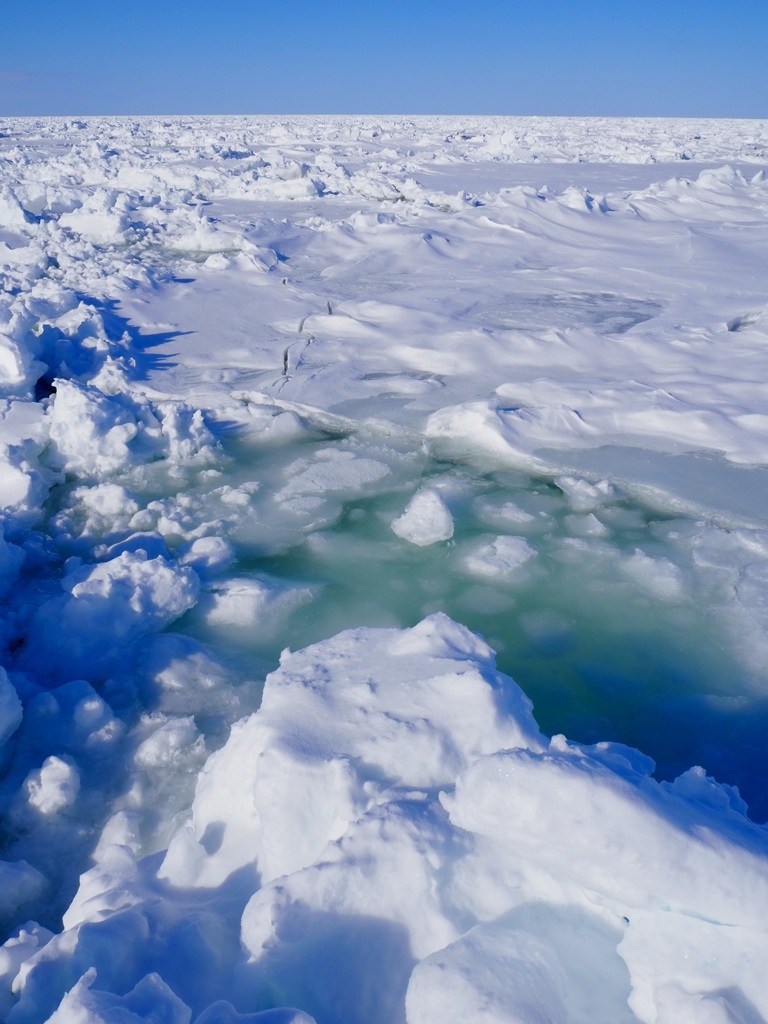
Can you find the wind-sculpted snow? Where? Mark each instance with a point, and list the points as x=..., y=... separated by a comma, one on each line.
x=293, y=413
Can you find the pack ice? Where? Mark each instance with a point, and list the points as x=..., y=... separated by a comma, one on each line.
x=315, y=435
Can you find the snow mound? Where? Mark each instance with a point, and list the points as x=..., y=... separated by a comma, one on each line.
x=404, y=843
x=332, y=735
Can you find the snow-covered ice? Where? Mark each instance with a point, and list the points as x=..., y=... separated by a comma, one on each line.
x=426, y=519
x=347, y=466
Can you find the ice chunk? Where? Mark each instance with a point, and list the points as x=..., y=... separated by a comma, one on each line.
x=250, y=602
x=122, y=829
x=358, y=921
x=208, y=555
x=18, y=367
x=97, y=434
x=107, y=501
x=23, y=487
x=479, y=430
x=683, y=967
x=265, y=423
x=499, y=559
x=116, y=911
x=187, y=438
x=112, y=885
x=332, y=471
x=12, y=213
x=175, y=740
x=151, y=1001
x=501, y=513
x=659, y=576
x=586, y=526
x=22, y=944
x=53, y=787
x=670, y=848
x=98, y=513
x=108, y=606
x=103, y=218
x=91, y=431
x=72, y=718
x=339, y=721
x=586, y=497
x=426, y=519
x=177, y=675
x=543, y=958
x=491, y=974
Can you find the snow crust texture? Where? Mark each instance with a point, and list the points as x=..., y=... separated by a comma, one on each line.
x=292, y=410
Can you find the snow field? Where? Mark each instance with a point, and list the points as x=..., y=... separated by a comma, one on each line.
x=284, y=428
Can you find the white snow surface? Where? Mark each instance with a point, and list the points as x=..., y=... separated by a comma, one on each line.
x=291, y=411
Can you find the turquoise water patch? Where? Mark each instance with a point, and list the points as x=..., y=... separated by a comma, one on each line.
x=601, y=608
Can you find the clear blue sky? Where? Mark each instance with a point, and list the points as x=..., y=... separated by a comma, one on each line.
x=626, y=57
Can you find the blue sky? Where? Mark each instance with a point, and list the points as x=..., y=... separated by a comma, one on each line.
x=673, y=58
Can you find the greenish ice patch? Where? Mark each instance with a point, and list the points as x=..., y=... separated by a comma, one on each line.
x=614, y=617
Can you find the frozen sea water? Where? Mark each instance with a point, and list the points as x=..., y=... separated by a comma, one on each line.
x=288, y=407
x=604, y=627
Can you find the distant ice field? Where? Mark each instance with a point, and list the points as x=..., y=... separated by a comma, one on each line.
x=597, y=178
x=347, y=467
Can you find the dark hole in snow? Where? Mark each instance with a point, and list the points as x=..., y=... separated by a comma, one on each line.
x=44, y=388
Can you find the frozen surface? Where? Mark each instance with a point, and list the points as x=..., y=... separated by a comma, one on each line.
x=426, y=519
x=315, y=433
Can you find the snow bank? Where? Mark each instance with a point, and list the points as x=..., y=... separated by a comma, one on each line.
x=525, y=437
